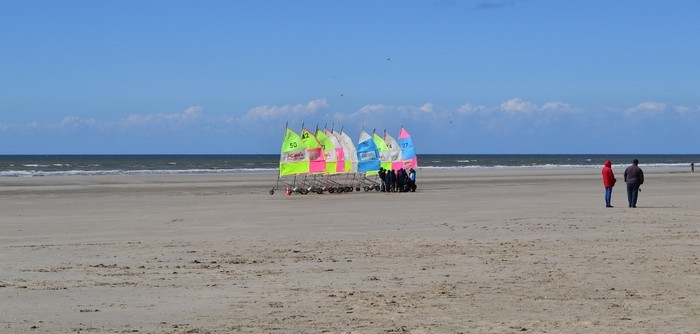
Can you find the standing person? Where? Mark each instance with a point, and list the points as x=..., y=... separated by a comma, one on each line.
x=412, y=177
x=382, y=179
x=692, y=167
x=634, y=177
x=399, y=180
x=390, y=176
x=608, y=182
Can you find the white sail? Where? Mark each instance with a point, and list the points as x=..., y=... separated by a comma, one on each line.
x=349, y=151
x=395, y=154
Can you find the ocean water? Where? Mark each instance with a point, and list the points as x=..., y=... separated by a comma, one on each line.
x=66, y=165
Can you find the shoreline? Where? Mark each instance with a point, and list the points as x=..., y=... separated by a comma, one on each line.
x=82, y=165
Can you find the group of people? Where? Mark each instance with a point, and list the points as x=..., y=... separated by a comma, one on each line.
x=634, y=178
x=397, y=180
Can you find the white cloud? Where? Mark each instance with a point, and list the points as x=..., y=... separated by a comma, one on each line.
x=189, y=115
x=647, y=108
x=67, y=124
x=8, y=127
x=380, y=110
x=267, y=113
x=518, y=113
x=467, y=109
x=386, y=115
x=686, y=110
x=367, y=109
x=367, y=114
x=75, y=123
x=683, y=109
x=557, y=106
x=518, y=105
x=510, y=115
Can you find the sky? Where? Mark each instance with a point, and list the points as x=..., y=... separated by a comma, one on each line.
x=463, y=77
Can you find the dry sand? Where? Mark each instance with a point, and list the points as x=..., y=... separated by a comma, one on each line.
x=473, y=251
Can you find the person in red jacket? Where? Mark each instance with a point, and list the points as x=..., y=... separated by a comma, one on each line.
x=609, y=182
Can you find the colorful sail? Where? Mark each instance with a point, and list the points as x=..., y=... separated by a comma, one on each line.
x=367, y=155
x=317, y=163
x=329, y=152
x=410, y=160
x=349, y=151
x=384, y=157
x=293, y=159
x=339, y=153
x=394, y=152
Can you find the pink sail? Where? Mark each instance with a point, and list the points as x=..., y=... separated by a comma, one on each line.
x=410, y=160
x=340, y=155
x=317, y=161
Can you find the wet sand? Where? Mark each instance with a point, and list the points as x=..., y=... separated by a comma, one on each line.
x=473, y=251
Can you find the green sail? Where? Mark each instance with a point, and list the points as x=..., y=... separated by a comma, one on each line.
x=384, y=153
x=293, y=159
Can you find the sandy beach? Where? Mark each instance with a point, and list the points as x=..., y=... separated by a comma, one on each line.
x=473, y=251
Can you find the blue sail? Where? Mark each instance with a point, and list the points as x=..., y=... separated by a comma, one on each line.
x=367, y=154
x=408, y=153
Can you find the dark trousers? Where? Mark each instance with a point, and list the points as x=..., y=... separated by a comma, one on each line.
x=632, y=194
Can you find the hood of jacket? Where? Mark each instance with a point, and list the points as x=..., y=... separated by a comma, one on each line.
x=608, y=163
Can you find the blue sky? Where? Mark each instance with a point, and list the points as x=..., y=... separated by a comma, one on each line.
x=224, y=77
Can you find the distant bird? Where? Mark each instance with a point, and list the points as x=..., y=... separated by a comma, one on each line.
x=388, y=59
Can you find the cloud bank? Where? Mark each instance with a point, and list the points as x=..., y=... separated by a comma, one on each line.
x=515, y=121
x=312, y=110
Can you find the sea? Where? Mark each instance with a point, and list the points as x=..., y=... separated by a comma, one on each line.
x=69, y=165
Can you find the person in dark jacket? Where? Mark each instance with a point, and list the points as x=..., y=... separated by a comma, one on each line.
x=634, y=177
x=400, y=179
x=382, y=179
x=608, y=182
x=412, y=177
